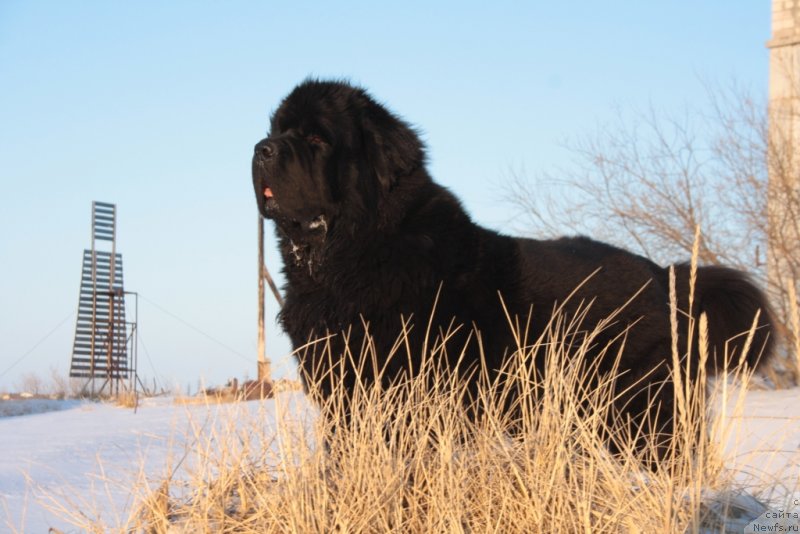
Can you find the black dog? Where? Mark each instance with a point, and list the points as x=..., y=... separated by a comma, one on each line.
x=367, y=237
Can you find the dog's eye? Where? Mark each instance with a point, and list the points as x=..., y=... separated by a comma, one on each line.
x=315, y=139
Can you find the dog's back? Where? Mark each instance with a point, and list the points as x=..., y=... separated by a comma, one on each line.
x=579, y=272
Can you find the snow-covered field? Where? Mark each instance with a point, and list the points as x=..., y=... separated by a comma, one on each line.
x=764, y=441
x=90, y=456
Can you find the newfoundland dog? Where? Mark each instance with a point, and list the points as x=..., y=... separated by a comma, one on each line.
x=371, y=244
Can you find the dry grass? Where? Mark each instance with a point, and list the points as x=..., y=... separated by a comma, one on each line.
x=127, y=398
x=415, y=457
x=412, y=459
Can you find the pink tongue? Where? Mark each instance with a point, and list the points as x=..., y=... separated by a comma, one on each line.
x=268, y=192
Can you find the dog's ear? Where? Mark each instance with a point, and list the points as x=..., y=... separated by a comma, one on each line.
x=392, y=148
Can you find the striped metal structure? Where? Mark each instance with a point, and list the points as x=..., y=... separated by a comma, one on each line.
x=100, y=350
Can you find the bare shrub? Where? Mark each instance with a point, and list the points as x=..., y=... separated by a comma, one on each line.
x=64, y=387
x=31, y=383
x=649, y=181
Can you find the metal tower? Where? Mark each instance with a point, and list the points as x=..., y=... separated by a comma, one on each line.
x=103, y=339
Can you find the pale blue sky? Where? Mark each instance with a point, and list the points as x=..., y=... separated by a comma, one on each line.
x=155, y=106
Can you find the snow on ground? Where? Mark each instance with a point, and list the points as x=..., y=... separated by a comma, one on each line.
x=763, y=447
x=91, y=454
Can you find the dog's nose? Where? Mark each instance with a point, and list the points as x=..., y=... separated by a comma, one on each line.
x=266, y=149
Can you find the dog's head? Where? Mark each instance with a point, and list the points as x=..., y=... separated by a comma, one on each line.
x=333, y=154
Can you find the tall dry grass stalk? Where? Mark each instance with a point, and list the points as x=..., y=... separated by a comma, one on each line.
x=529, y=456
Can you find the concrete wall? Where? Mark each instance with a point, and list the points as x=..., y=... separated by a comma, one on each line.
x=783, y=161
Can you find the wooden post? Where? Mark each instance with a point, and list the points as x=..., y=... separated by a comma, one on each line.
x=261, y=349
x=264, y=365
x=264, y=371
x=94, y=302
x=112, y=269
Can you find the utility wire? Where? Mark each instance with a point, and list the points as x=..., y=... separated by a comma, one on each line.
x=164, y=310
x=186, y=323
x=50, y=333
x=147, y=353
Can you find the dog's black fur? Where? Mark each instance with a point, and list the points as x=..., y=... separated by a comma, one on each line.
x=368, y=237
